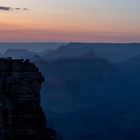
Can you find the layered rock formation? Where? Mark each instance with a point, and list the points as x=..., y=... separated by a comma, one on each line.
x=21, y=116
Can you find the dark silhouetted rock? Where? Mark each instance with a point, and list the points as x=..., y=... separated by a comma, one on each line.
x=21, y=116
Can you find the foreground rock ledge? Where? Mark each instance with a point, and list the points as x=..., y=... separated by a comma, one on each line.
x=21, y=116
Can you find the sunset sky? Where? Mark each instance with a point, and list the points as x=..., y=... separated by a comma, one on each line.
x=70, y=20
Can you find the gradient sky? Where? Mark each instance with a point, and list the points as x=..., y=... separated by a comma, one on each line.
x=70, y=20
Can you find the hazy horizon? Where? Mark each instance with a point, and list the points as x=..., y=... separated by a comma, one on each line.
x=41, y=46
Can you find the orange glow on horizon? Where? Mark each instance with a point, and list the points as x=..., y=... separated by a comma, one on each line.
x=56, y=22
x=49, y=36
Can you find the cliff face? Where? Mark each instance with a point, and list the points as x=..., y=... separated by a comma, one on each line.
x=21, y=116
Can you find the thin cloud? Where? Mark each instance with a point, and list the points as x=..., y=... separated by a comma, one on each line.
x=25, y=9
x=5, y=8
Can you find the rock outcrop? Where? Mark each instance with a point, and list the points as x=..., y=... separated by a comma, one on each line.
x=21, y=116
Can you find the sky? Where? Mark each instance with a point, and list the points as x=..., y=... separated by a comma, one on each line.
x=69, y=20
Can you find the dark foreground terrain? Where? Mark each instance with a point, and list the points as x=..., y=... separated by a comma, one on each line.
x=21, y=116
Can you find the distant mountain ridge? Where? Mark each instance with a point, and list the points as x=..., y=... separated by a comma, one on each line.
x=114, y=52
x=19, y=53
x=35, y=46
